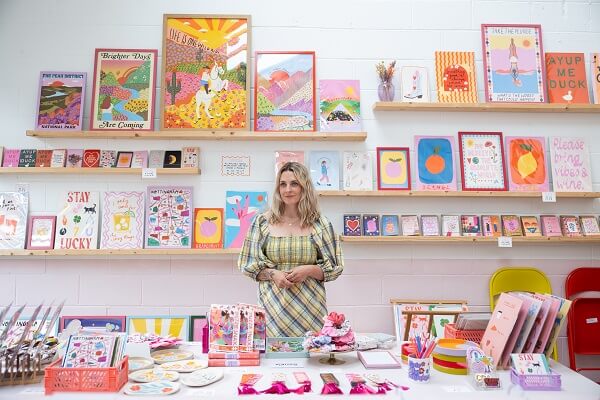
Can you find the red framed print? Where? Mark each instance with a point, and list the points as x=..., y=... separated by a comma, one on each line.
x=513, y=63
x=284, y=91
x=124, y=85
x=40, y=232
x=482, y=161
x=393, y=168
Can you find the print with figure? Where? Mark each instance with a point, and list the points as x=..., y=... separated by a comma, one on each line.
x=513, y=63
x=435, y=163
x=205, y=82
x=60, y=100
x=169, y=217
x=340, y=105
x=325, y=169
x=527, y=170
x=393, y=168
x=415, y=84
x=223, y=334
x=284, y=93
x=240, y=209
x=123, y=95
x=260, y=328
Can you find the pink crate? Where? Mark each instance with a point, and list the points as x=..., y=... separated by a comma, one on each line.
x=536, y=382
x=451, y=332
x=111, y=379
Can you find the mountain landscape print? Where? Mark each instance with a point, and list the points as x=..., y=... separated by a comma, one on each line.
x=285, y=91
x=60, y=100
x=340, y=105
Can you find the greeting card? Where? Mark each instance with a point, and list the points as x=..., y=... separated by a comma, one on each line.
x=511, y=225
x=14, y=208
x=190, y=157
x=390, y=225
x=501, y=325
x=435, y=163
x=169, y=217
x=124, y=159
x=59, y=158
x=208, y=228
x=527, y=160
x=340, y=105
x=566, y=78
x=410, y=225
x=89, y=351
x=352, y=225
x=27, y=157
x=570, y=226
x=482, y=161
x=570, y=160
x=43, y=158
x=77, y=221
x=530, y=364
x=370, y=224
x=240, y=209
x=490, y=225
x=550, y=225
x=538, y=323
x=156, y=158
x=11, y=158
x=357, y=170
x=531, y=226
x=283, y=156
x=140, y=159
x=91, y=158
x=108, y=158
x=325, y=169
x=455, y=76
x=470, y=225
x=430, y=225
x=74, y=158
x=534, y=307
x=415, y=84
x=172, y=159
x=246, y=327
x=122, y=220
x=450, y=225
x=589, y=225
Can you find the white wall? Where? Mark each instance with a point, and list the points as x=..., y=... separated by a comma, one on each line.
x=349, y=37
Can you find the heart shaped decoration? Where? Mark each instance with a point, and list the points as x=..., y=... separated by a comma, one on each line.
x=91, y=159
x=469, y=160
x=352, y=224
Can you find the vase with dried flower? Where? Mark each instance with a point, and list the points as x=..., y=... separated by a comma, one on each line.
x=385, y=90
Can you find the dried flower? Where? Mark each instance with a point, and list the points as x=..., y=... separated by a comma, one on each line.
x=385, y=74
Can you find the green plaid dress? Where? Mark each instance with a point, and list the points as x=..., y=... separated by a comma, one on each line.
x=301, y=308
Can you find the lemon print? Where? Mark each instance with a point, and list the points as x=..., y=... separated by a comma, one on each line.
x=527, y=163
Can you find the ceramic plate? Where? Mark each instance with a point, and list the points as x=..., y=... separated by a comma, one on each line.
x=137, y=363
x=153, y=375
x=151, y=389
x=203, y=377
x=185, y=366
x=163, y=356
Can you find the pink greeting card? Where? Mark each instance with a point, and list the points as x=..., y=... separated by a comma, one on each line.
x=550, y=225
x=538, y=324
x=500, y=327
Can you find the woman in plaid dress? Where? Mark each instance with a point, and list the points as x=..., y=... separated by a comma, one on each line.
x=291, y=251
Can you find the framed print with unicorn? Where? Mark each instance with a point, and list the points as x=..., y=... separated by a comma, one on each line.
x=205, y=81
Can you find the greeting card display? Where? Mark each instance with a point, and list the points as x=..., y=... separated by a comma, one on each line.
x=27, y=157
x=470, y=225
x=13, y=220
x=156, y=158
x=43, y=158
x=595, y=68
x=435, y=163
x=91, y=158
x=455, y=76
x=108, y=158
x=140, y=159
x=352, y=226
x=589, y=225
x=430, y=225
x=410, y=225
x=393, y=168
x=122, y=220
x=60, y=100
x=169, y=217
x=450, y=225
x=527, y=160
x=205, y=72
x=59, y=158
x=124, y=159
x=11, y=157
x=570, y=226
x=513, y=63
x=123, y=95
x=482, y=161
x=74, y=158
x=357, y=171
x=340, y=105
x=77, y=221
x=370, y=224
x=415, y=84
x=40, y=234
x=208, y=228
x=570, y=160
x=284, y=92
x=283, y=156
x=566, y=78
x=325, y=169
x=490, y=225
x=240, y=208
x=531, y=226
x=390, y=225
x=550, y=225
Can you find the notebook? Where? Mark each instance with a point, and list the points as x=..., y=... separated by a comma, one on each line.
x=378, y=359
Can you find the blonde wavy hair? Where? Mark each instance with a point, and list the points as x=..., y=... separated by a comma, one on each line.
x=308, y=206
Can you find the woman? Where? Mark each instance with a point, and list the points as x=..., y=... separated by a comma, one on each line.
x=291, y=250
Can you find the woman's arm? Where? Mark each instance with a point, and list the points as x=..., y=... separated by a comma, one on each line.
x=252, y=260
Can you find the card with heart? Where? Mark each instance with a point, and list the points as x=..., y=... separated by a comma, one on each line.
x=91, y=158
x=352, y=225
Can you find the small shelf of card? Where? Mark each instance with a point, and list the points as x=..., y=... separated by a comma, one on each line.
x=488, y=107
x=431, y=193
x=466, y=239
x=114, y=252
x=94, y=171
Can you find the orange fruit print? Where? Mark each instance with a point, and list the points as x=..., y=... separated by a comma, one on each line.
x=435, y=163
x=527, y=164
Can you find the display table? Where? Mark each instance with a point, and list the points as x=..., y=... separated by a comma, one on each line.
x=442, y=386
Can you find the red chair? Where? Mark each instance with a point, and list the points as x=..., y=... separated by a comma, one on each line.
x=583, y=327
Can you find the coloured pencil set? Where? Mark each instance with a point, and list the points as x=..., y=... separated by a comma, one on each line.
x=422, y=346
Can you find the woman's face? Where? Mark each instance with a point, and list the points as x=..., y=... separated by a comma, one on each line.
x=289, y=189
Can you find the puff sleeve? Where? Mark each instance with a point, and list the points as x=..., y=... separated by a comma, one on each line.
x=330, y=256
x=252, y=259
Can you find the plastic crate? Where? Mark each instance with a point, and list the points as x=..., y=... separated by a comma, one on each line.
x=109, y=379
x=450, y=332
x=536, y=382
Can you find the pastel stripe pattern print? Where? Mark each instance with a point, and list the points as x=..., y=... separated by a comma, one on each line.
x=455, y=76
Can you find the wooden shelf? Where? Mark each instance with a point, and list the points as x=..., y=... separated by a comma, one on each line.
x=127, y=252
x=466, y=239
x=407, y=193
x=204, y=135
x=488, y=107
x=95, y=171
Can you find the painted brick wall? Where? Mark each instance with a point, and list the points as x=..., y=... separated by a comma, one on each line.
x=348, y=37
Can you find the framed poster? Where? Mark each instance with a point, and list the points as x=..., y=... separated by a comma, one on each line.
x=284, y=91
x=482, y=161
x=60, y=101
x=205, y=80
x=161, y=325
x=513, y=63
x=393, y=168
x=526, y=164
x=435, y=163
x=339, y=105
x=169, y=217
x=101, y=323
x=40, y=232
x=123, y=95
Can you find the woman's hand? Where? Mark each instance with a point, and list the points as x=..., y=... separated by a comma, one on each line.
x=301, y=272
x=280, y=279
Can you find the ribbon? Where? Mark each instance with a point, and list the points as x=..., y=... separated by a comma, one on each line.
x=331, y=388
x=281, y=388
x=306, y=386
x=247, y=389
x=361, y=388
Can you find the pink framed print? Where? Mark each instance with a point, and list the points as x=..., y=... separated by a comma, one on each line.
x=124, y=89
x=40, y=232
x=284, y=91
x=513, y=63
x=482, y=161
x=393, y=168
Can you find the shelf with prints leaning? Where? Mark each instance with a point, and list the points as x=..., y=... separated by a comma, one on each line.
x=458, y=193
x=116, y=252
x=93, y=171
x=204, y=135
x=487, y=107
x=469, y=239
